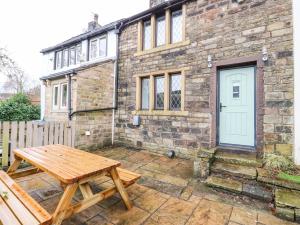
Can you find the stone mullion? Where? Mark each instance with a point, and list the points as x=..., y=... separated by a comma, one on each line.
x=168, y=26
x=167, y=92
x=153, y=31
x=140, y=36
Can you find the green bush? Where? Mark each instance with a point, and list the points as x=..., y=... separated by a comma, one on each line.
x=18, y=108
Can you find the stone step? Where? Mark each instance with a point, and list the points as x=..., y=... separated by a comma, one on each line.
x=235, y=170
x=287, y=198
x=253, y=190
x=224, y=183
x=238, y=158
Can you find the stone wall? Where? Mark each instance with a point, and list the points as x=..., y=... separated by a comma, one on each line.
x=225, y=30
x=92, y=88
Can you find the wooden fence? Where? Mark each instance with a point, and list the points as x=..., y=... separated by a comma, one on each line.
x=31, y=134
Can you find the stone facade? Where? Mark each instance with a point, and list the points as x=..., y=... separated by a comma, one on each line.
x=92, y=88
x=225, y=30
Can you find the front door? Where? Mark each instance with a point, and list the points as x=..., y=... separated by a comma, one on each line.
x=237, y=106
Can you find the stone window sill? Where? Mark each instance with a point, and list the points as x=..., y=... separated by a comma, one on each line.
x=163, y=48
x=160, y=113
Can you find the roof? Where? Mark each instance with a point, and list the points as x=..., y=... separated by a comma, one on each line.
x=83, y=36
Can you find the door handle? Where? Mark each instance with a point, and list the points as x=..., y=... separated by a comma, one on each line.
x=222, y=106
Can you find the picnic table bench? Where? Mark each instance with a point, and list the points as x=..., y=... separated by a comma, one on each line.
x=74, y=169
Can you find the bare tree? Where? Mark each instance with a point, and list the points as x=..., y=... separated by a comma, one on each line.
x=16, y=78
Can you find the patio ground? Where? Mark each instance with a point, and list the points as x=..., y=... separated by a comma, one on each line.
x=166, y=194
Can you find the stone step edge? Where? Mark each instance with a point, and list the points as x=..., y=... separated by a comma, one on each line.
x=239, y=161
x=213, y=169
x=244, y=189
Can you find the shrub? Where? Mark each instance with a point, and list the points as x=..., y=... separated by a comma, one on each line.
x=18, y=108
x=278, y=163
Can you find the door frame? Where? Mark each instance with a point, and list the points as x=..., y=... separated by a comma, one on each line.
x=257, y=62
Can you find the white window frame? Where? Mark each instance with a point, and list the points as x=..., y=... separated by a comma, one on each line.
x=73, y=48
x=55, y=107
x=60, y=53
x=61, y=96
x=103, y=37
x=63, y=58
x=90, y=49
x=78, y=59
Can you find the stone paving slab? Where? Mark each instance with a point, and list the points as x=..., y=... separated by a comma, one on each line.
x=155, y=201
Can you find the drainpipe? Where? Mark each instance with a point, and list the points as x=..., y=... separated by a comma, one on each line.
x=70, y=95
x=116, y=82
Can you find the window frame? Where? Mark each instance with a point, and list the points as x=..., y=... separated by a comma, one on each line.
x=150, y=34
x=77, y=59
x=103, y=37
x=171, y=25
x=70, y=50
x=63, y=58
x=61, y=95
x=156, y=77
x=170, y=91
x=144, y=78
x=55, y=106
x=56, y=59
x=90, y=48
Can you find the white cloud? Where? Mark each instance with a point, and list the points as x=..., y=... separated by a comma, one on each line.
x=28, y=26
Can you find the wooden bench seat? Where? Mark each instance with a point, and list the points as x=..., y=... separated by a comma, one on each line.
x=127, y=177
x=17, y=207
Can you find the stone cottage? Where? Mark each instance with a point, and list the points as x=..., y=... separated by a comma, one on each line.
x=189, y=74
x=79, y=83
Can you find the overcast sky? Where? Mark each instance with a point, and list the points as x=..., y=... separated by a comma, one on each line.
x=28, y=26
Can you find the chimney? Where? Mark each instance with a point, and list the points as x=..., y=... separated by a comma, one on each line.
x=94, y=24
x=156, y=2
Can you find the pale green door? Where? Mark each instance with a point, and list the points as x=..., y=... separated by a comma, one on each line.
x=237, y=111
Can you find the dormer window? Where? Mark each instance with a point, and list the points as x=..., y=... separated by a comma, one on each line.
x=68, y=57
x=58, y=59
x=65, y=62
x=98, y=47
x=72, y=56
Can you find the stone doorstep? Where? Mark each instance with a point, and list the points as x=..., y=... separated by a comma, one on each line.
x=235, y=170
x=285, y=213
x=226, y=184
x=263, y=177
x=287, y=198
x=237, y=159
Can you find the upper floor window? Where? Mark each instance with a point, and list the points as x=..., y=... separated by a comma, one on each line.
x=93, y=48
x=65, y=61
x=68, y=57
x=102, y=47
x=58, y=59
x=176, y=26
x=78, y=53
x=72, y=60
x=147, y=35
x=160, y=31
x=98, y=47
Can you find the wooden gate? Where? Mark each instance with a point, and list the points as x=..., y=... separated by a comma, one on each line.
x=31, y=134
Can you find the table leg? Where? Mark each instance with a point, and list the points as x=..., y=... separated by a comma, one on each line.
x=64, y=204
x=115, y=177
x=14, y=166
x=86, y=190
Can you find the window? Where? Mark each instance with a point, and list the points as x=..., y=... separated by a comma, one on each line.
x=147, y=35
x=64, y=95
x=58, y=59
x=55, y=96
x=175, y=92
x=176, y=26
x=102, y=47
x=145, y=92
x=72, y=56
x=93, y=48
x=159, y=92
x=78, y=53
x=236, y=90
x=160, y=31
x=65, y=58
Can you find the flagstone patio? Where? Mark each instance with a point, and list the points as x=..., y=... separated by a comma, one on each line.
x=166, y=194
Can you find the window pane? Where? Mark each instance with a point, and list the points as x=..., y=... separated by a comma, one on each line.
x=55, y=96
x=145, y=93
x=175, y=92
x=159, y=92
x=160, y=31
x=65, y=57
x=94, y=49
x=176, y=28
x=72, y=56
x=64, y=94
x=147, y=35
x=102, y=45
x=78, y=53
x=58, y=60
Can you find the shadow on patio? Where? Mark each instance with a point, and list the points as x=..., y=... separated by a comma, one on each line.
x=166, y=194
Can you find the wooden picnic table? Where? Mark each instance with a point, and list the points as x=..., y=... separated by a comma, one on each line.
x=74, y=169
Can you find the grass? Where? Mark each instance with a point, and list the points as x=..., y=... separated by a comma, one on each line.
x=287, y=177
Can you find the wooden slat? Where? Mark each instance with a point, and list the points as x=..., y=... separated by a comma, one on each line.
x=21, y=134
x=24, y=172
x=66, y=125
x=61, y=133
x=39, y=213
x=40, y=134
x=51, y=133
x=35, y=134
x=16, y=206
x=69, y=141
x=56, y=133
x=46, y=134
x=6, y=216
x=73, y=134
x=13, y=139
x=29, y=134
x=5, y=139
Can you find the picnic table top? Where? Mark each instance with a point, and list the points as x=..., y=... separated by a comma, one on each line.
x=67, y=164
